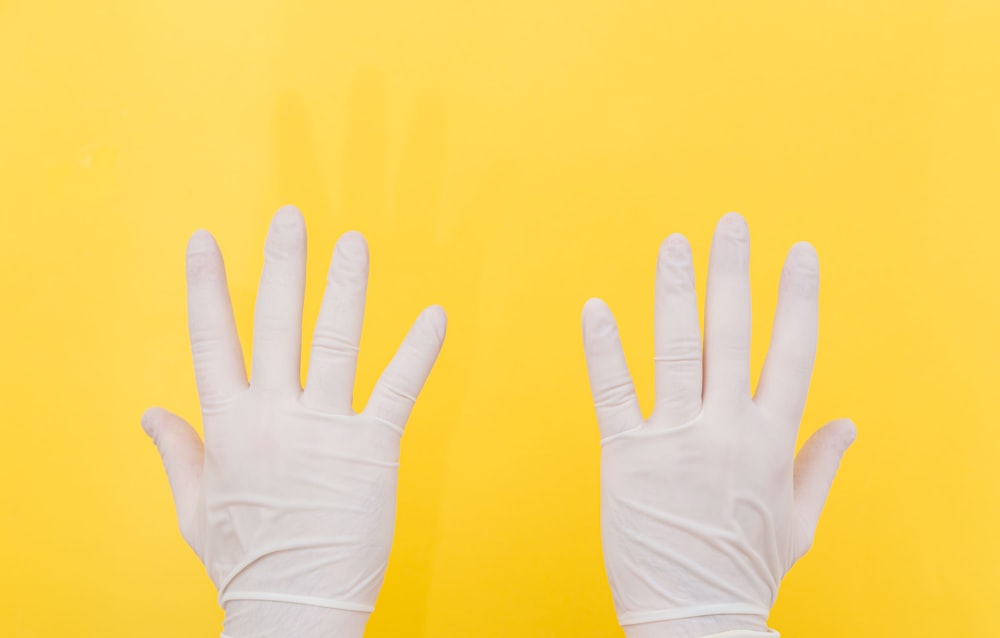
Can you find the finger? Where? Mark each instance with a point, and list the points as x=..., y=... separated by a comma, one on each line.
x=611, y=384
x=678, y=335
x=784, y=380
x=397, y=389
x=334, y=358
x=277, y=328
x=815, y=467
x=218, y=359
x=182, y=454
x=727, y=312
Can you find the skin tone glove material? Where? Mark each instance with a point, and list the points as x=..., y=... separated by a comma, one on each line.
x=704, y=505
x=290, y=502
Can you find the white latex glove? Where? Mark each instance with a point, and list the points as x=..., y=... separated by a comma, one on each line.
x=292, y=504
x=704, y=507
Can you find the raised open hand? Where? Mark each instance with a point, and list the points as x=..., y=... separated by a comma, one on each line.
x=292, y=499
x=704, y=506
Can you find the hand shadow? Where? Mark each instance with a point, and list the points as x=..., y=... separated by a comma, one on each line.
x=455, y=241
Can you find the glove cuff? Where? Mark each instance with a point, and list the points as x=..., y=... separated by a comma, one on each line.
x=294, y=574
x=638, y=617
x=708, y=621
x=266, y=617
x=295, y=600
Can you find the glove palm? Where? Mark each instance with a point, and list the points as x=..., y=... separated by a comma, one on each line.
x=704, y=507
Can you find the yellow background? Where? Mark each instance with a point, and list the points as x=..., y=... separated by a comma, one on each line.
x=506, y=160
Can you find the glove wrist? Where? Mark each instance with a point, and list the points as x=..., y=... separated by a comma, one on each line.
x=721, y=626
x=271, y=619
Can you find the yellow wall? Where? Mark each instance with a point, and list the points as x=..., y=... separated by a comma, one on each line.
x=507, y=160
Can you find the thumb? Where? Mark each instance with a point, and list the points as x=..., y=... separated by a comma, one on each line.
x=182, y=453
x=815, y=467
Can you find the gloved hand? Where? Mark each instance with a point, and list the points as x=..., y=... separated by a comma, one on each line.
x=704, y=506
x=291, y=506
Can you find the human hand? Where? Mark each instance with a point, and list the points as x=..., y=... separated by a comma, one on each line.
x=704, y=505
x=290, y=504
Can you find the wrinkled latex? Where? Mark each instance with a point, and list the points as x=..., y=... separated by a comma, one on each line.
x=293, y=498
x=297, y=505
x=704, y=507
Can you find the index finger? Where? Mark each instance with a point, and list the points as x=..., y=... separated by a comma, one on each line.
x=784, y=380
x=219, y=368
x=397, y=389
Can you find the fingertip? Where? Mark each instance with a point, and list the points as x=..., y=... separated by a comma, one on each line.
x=201, y=241
x=836, y=436
x=594, y=307
x=288, y=217
x=350, y=259
x=149, y=419
x=436, y=312
x=675, y=243
x=674, y=258
x=598, y=321
x=804, y=246
x=288, y=209
x=849, y=432
x=352, y=244
x=204, y=259
x=437, y=319
x=733, y=218
x=734, y=226
x=804, y=256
